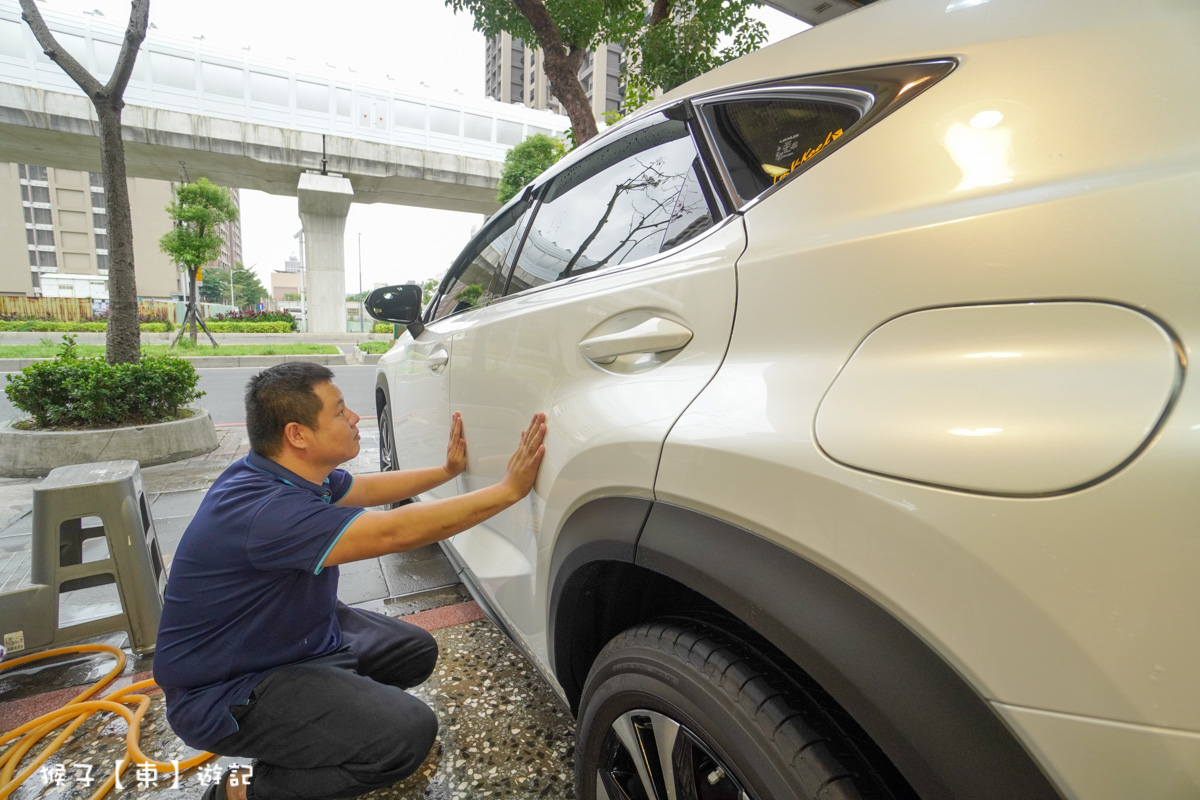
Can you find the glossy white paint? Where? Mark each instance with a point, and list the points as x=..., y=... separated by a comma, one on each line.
x=1078, y=604
x=607, y=422
x=1058, y=165
x=1075, y=750
x=1022, y=399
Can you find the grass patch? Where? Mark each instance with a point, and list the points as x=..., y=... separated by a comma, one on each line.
x=375, y=347
x=90, y=350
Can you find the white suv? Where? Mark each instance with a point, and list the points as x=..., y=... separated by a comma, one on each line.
x=873, y=458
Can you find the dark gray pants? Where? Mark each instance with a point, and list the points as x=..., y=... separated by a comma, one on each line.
x=340, y=725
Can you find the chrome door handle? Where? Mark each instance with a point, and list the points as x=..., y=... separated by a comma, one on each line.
x=437, y=360
x=656, y=335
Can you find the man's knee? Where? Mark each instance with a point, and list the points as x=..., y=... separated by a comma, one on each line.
x=427, y=659
x=411, y=737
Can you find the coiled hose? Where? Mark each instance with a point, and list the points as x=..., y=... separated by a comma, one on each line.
x=77, y=711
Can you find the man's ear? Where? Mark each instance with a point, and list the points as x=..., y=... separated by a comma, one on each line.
x=295, y=435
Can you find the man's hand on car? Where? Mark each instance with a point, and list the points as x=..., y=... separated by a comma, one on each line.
x=523, y=466
x=456, y=449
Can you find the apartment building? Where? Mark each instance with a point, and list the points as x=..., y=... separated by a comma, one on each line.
x=515, y=73
x=54, y=235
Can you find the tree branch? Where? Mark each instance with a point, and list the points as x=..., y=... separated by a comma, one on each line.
x=135, y=34
x=55, y=52
x=660, y=12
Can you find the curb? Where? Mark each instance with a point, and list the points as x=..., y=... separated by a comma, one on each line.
x=160, y=443
x=18, y=364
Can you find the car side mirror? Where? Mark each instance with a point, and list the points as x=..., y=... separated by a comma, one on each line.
x=398, y=305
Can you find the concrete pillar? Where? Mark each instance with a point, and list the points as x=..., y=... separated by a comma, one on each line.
x=324, y=205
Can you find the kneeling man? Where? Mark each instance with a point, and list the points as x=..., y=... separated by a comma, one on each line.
x=256, y=655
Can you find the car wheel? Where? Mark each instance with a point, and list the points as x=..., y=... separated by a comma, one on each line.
x=387, y=445
x=387, y=439
x=677, y=710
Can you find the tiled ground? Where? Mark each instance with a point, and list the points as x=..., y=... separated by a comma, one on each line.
x=504, y=734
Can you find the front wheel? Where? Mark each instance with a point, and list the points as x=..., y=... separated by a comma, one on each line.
x=387, y=438
x=388, y=459
x=678, y=710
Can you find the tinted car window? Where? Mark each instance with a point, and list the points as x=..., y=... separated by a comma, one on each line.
x=614, y=206
x=478, y=276
x=765, y=140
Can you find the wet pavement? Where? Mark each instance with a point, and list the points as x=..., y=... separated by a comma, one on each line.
x=504, y=733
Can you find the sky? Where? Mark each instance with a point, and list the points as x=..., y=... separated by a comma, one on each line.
x=400, y=44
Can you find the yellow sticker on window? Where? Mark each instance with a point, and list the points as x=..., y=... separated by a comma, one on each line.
x=809, y=153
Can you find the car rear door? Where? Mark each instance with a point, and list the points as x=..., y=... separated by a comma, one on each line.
x=616, y=314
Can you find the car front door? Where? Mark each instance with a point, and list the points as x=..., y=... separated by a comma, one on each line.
x=417, y=368
x=617, y=312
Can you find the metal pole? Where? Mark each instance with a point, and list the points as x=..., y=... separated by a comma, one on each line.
x=361, y=321
x=303, y=307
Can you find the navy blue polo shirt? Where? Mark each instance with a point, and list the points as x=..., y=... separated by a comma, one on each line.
x=247, y=592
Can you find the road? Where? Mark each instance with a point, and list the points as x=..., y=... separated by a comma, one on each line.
x=225, y=389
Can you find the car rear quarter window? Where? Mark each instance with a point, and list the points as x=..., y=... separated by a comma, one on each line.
x=765, y=140
x=624, y=202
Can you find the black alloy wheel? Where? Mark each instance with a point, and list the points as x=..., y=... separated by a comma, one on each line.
x=677, y=709
x=646, y=755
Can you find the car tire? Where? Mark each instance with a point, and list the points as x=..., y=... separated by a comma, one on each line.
x=388, y=459
x=387, y=438
x=735, y=727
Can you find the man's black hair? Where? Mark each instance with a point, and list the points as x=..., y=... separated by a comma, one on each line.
x=281, y=394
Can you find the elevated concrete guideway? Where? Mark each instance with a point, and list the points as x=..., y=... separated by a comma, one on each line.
x=260, y=126
x=252, y=125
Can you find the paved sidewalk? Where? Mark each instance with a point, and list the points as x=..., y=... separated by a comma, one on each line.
x=504, y=733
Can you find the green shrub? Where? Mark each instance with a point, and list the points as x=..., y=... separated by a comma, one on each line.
x=381, y=327
x=74, y=392
x=249, y=327
x=53, y=326
x=258, y=316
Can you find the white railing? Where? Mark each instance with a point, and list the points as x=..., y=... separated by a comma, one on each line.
x=178, y=76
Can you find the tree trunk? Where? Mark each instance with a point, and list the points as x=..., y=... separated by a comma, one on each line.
x=562, y=69
x=123, y=338
x=192, y=302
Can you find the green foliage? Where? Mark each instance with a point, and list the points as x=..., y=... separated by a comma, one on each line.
x=249, y=327
x=292, y=296
x=199, y=209
x=470, y=295
x=686, y=46
x=54, y=326
x=381, y=327
x=259, y=316
x=247, y=288
x=659, y=54
x=74, y=392
x=428, y=287
x=526, y=161
x=376, y=347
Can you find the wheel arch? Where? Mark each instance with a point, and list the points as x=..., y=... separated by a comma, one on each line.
x=620, y=561
x=383, y=392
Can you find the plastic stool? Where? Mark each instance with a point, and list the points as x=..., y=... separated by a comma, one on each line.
x=112, y=491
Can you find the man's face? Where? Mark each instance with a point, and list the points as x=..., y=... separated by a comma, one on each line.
x=335, y=438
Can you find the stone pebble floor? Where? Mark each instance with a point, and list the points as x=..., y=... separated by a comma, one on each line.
x=504, y=734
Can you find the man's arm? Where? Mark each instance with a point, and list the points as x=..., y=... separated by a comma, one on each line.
x=382, y=488
x=377, y=533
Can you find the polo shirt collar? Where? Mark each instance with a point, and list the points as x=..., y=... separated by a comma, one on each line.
x=264, y=464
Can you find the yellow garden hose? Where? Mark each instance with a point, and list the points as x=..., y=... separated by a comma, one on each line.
x=76, y=712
